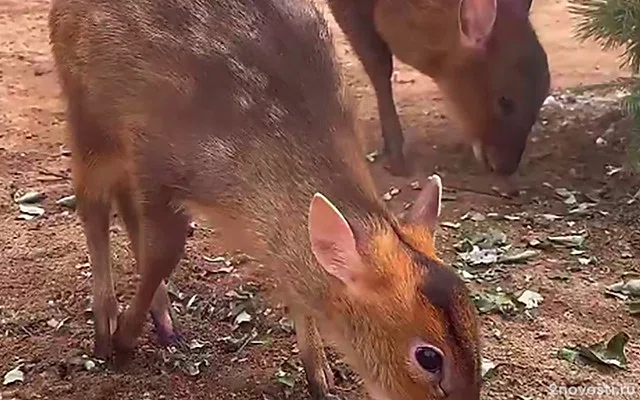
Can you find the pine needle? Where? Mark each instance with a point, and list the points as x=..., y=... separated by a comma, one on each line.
x=613, y=24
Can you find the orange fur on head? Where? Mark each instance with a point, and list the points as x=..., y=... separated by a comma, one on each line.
x=411, y=296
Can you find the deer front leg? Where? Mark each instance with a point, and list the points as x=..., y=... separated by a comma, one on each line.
x=357, y=23
x=316, y=365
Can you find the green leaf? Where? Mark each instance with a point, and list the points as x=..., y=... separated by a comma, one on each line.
x=634, y=308
x=511, y=217
x=492, y=239
x=474, y=216
x=520, y=257
x=568, y=354
x=568, y=240
x=495, y=303
x=191, y=368
x=29, y=211
x=551, y=217
x=478, y=256
x=483, y=248
x=174, y=291
x=195, y=344
x=67, y=201
x=568, y=196
x=628, y=288
x=30, y=198
x=242, y=318
x=610, y=353
x=285, y=378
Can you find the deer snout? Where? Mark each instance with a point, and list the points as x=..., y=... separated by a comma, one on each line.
x=500, y=160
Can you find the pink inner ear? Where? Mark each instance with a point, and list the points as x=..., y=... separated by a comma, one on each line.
x=332, y=240
x=476, y=20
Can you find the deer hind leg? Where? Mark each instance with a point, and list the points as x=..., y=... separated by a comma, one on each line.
x=95, y=170
x=94, y=214
x=162, y=233
x=314, y=359
x=160, y=308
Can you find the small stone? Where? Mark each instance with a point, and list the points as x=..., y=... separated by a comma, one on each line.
x=601, y=142
x=67, y=201
x=573, y=173
x=551, y=101
x=393, y=191
x=89, y=365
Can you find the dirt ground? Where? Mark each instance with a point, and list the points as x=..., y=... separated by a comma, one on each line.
x=577, y=145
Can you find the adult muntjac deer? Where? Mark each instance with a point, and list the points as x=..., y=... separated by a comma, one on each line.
x=236, y=110
x=483, y=54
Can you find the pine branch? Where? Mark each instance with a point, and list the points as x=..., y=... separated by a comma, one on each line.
x=612, y=24
x=632, y=104
x=615, y=24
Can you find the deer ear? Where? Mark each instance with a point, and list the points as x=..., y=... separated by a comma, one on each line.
x=426, y=208
x=333, y=242
x=475, y=20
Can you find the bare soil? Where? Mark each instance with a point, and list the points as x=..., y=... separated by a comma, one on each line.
x=45, y=279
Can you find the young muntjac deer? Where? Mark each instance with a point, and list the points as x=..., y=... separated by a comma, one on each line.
x=483, y=54
x=236, y=110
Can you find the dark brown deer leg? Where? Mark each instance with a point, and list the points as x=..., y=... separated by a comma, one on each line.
x=375, y=55
x=162, y=238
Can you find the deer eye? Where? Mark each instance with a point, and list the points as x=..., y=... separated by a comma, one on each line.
x=507, y=106
x=429, y=358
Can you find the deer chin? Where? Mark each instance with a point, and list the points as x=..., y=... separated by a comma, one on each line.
x=507, y=184
x=377, y=394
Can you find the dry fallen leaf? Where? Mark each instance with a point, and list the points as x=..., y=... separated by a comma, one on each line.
x=452, y=225
x=30, y=212
x=530, y=299
x=30, y=198
x=13, y=376
x=243, y=317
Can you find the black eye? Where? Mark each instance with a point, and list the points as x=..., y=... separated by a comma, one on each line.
x=507, y=106
x=429, y=359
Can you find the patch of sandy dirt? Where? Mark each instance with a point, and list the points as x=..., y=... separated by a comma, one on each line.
x=45, y=281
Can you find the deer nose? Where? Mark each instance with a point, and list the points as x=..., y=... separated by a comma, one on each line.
x=504, y=162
